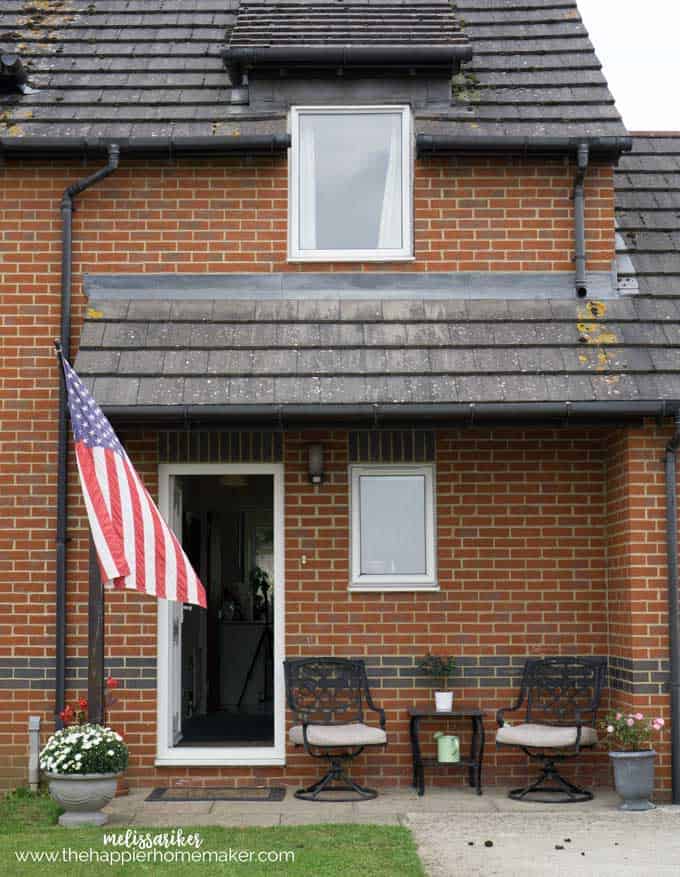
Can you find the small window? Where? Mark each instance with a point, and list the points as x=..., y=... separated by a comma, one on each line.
x=393, y=528
x=350, y=184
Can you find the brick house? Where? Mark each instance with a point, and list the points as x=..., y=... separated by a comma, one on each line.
x=408, y=242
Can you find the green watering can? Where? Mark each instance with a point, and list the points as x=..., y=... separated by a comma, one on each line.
x=448, y=748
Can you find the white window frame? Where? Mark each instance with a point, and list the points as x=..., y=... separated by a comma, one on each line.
x=167, y=754
x=391, y=582
x=295, y=253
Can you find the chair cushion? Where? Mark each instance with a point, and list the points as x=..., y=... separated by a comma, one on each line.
x=545, y=736
x=353, y=734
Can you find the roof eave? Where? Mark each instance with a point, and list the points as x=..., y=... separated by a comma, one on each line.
x=454, y=143
x=241, y=58
x=144, y=146
x=461, y=412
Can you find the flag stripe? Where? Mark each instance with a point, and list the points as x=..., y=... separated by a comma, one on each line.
x=101, y=472
x=128, y=520
x=113, y=558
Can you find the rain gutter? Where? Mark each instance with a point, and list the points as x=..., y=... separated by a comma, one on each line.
x=239, y=59
x=582, y=161
x=144, y=147
x=453, y=143
x=463, y=412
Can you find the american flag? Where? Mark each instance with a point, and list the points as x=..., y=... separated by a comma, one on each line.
x=135, y=547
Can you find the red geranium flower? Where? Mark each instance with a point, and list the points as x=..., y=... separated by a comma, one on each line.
x=66, y=715
x=82, y=703
x=111, y=683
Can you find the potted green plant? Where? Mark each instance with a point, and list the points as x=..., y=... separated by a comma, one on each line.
x=440, y=668
x=628, y=736
x=82, y=763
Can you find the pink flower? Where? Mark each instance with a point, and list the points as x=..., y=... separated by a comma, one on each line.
x=630, y=722
x=656, y=725
x=610, y=729
x=660, y=722
x=618, y=717
x=638, y=716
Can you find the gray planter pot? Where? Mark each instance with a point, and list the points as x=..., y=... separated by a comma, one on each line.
x=82, y=796
x=634, y=778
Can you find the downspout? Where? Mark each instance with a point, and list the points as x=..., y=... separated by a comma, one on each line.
x=581, y=281
x=62, y=434
x=673, y=631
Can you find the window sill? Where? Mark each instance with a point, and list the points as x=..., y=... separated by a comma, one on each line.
x=324, y=257
x=392, y=588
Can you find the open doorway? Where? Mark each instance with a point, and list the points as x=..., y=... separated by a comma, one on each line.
x=224, y=695
x=227, y=649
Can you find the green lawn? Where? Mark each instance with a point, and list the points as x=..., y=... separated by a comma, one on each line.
x=28, y=825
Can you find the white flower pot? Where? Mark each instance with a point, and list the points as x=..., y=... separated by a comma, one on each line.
x=82, y=796
x=443, y=701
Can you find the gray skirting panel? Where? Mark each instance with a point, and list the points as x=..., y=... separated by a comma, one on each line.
x=387, y=671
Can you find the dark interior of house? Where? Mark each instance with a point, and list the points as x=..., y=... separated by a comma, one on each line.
x=228, y=648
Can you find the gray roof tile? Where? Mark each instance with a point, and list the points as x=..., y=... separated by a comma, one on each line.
x=312, y=23
x=160, y=391
x=648, y=217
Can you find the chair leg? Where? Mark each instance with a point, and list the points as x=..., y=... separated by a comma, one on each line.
x=336, y=779
x=563, y=792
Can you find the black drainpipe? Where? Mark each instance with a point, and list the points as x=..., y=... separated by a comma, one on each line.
x=673, y=631
x=581, y=281
x=62, y=435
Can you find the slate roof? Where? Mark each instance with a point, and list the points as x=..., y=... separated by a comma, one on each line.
x=335, y=353
x=263, y=24
x=648, y=215
x=117, y=69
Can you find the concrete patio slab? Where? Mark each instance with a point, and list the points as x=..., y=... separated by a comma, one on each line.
x=564, y=841
x=392, y=806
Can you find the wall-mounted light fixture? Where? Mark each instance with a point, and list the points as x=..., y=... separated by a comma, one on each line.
x=315, y=464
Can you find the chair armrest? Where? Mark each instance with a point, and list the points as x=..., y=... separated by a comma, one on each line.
x=381, y=713
x=500, y=714
x=370, y=703
x=578, y=721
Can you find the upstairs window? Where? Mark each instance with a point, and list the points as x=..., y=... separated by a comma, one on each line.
x=350, y=184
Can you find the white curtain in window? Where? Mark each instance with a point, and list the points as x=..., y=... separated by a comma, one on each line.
x=390, y=217
x=307, y=172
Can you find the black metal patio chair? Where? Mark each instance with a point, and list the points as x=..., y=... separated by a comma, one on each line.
x=562, y=695
x=328, y=697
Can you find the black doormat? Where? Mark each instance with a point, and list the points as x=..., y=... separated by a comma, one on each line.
x=219, y=793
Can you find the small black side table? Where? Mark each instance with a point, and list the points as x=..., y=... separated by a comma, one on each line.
x=473, y=763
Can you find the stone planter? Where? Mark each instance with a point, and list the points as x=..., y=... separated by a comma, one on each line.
x=634, y=778
x=82, y=796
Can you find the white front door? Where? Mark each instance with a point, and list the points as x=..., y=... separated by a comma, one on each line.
x=172, y=747
x=176, y=611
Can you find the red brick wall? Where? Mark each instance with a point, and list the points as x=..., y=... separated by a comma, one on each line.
x=526, y=522
x=637, y=598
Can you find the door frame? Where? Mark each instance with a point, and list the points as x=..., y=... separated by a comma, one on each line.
x=168, y=755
